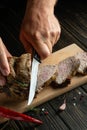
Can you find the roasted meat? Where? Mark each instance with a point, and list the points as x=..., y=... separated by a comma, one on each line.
x=82, y=57
x=58, y=75
x=46, y=75
x=23, y=68
x=66, y=69
x=19, y=78
x=12, y=75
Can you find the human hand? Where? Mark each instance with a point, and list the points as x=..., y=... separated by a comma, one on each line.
x=4, y=66
x=40, y=28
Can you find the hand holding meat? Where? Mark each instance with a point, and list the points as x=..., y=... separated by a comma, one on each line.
x=40, y=28
x=4, y=66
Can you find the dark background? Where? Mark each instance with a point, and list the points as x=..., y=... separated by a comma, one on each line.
x=72, y=16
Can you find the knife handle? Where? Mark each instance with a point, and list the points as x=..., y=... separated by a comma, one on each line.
x=36, y=56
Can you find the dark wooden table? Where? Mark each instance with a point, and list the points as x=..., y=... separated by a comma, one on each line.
x=73, y=19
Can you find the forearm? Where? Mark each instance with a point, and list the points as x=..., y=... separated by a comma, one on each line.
x=46, y=4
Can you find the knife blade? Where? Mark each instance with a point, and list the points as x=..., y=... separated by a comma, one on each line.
x=33, y=82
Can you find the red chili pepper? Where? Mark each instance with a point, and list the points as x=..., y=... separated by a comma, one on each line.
x=5, y=112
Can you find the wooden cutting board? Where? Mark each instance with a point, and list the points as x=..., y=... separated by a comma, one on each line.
x=47, y=93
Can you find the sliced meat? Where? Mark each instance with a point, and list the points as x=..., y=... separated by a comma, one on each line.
x=66, y=69
x=46, y=75
x=82, y=57
x=60, y=75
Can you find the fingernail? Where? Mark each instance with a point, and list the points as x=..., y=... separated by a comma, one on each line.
x=45, y=55
x=5, y=72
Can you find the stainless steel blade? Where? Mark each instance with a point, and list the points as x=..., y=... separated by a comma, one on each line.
x=33, y=81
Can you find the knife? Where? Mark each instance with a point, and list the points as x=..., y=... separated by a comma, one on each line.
x=34, y=71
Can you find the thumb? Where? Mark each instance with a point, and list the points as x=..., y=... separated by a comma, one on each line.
x=42, y=48
x=4, y=66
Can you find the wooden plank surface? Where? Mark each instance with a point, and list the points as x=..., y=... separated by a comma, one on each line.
x=47, y=93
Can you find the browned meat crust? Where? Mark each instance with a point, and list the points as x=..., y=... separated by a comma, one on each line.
x=19, y=78
x=23, y=68
x=12, y=75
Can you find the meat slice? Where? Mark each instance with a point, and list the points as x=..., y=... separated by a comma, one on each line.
x=46, y=75
x=57, y=75
x=66, y=69
x=82, y=57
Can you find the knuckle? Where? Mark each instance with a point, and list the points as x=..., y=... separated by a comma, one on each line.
x=36, y=35
x=53, y=34
x=45, y=55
